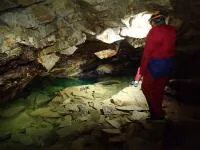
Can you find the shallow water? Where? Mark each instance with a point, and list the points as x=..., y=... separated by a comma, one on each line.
x=22, y=127
x=51, y=85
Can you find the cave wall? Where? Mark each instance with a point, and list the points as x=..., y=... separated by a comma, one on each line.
x=43, y=37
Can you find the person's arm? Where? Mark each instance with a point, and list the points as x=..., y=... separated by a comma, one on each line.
x=137, y=78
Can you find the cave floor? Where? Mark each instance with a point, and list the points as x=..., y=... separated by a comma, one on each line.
x=93, y=116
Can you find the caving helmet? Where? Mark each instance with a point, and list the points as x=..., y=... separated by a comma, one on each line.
x=157, y=17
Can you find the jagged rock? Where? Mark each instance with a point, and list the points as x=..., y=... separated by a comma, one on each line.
x=48, y=50
x=105, y=69
x=72, y=107
x=83, y=109
x=43, y=14
x=106, y=53
x=114, y=123
x=69, y=51
x=95, y=115
x=18, y=18
x=66, y=121
x=136, y=115
x=131, y=97
x=95, y=105
x=9, y=46
x=110, y=35
x=108, y=110
x=56, y=101
x=48, y=61
x=83, y=92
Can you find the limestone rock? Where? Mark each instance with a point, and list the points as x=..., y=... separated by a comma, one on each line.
x=105, y=69
x=72, y=107
x=69, y=51
x=42, y=99
x=56, y=101
x=114, y=123
x=131, y=97
x=110, y=35
x=43, y=14
x=17, y=19
x=66, y=121
x=106, y=53
x=48, y=61
x=108, y=110
x=136, y=115
x=48, y=50
x=9, y=46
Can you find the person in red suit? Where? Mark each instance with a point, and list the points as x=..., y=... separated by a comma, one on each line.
x=157, y=63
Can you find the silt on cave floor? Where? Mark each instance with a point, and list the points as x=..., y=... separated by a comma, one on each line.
x=107, y=113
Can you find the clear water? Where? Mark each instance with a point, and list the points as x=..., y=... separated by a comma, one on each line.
x=18, y=129
x=50, y=85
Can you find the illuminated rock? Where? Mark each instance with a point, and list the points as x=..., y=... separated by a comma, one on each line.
x=130, y=98
x=137, y=26
x=69, y=51
x=110, y=35
x=48, y=61
x=105, y=69
x=106, y=53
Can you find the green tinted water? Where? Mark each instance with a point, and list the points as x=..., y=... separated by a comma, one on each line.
x=50, y=85
x=20, y=127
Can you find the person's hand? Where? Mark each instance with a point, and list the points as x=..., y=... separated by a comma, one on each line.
x=135, y=83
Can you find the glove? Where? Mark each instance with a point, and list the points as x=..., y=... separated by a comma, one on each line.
x=135, y=83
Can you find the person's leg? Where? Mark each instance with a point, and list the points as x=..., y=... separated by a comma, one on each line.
x=153, y=90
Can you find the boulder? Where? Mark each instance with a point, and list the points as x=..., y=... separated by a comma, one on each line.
x=105, y=69
x=130, y=97
x=48, y=61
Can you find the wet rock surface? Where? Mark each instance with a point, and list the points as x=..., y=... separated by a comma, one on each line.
x=89, y=117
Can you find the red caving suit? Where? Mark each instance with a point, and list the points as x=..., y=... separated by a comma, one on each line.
x=160, y=44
